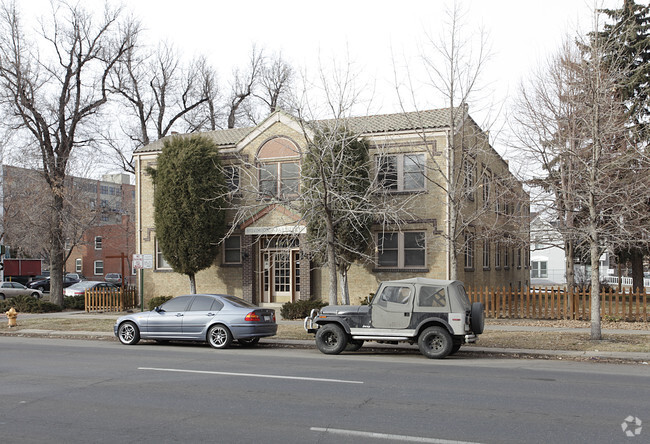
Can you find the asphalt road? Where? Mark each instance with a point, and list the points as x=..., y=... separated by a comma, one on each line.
x=91, y=391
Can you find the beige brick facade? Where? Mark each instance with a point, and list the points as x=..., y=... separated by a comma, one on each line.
x=272, y=268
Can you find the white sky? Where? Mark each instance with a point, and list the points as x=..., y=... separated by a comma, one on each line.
x=522, y=33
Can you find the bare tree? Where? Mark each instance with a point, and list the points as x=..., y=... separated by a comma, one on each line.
x=160, y=93
x=549, y=131
x=577, y=127
x=53, y=96
x=243, y=84
x=276, y=80
x=453, y=63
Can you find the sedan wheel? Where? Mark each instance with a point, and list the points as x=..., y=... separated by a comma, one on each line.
x=128, y=333
x=219, y=336
x=36, y=295
x=41, y=289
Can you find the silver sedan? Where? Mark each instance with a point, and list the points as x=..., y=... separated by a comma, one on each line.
x=215, y=318
x=13, y=289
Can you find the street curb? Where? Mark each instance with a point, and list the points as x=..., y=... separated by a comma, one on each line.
x=595, y=356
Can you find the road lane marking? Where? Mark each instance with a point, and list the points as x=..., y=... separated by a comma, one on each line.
x=251, y=375
x=387, y=436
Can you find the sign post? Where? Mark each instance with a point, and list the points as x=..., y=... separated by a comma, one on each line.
x=140, y=262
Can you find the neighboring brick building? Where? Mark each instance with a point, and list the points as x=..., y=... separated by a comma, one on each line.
x=263, y=262
x=100, y=220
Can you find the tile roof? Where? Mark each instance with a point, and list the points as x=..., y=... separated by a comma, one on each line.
x=382, y=123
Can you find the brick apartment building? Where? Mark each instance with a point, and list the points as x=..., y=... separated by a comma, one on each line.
x=100, y=220
x=262, y=261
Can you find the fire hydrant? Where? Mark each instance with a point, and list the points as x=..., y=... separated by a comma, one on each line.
x=11, y=315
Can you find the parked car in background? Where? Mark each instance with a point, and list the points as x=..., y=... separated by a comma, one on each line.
x=44, y=284
x=78, y=276
x=13, y=289
x=114, y=278
x=216, y=318
x=80, y=288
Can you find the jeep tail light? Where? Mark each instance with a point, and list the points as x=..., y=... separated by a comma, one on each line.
x=252, y=316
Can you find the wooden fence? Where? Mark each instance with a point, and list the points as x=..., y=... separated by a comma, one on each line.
x=554, y=303
x=110, y=300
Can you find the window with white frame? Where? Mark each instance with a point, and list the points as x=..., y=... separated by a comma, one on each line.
x=486, y=253
x=401, y=172
x=78, y=265
x=98, y=268
x=401, y=249
x=279, y=179
x=161, y=263
x=98, y=242
x=487, y=178
x=470, y=177
x=469, y=251
x=539, y=269
x=232, y=250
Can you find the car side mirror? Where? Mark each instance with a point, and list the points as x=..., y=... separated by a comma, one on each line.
x=158, y=309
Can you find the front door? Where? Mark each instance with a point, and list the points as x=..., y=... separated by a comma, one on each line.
x=393, y=307
x=281, y=273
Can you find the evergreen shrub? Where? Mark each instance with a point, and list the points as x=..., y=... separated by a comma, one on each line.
x=300, y=309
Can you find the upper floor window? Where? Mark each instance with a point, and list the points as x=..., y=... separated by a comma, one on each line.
x=280, y=179
x=77, y=265
x=98, y=242
x=487, y=177
x=401, y=172
x=470, y=178
x=103, y=189
x=279, y=171
x=232, y=178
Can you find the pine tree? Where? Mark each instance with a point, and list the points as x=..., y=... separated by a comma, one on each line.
x=188, y=204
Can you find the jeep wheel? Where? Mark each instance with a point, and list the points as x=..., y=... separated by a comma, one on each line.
x=354, y=345
x=331, y=339
x=477, y=318
x=435, y=343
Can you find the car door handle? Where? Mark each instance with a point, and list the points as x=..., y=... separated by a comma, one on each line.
x=210, y=314
x=407, y=314
x=178, y=315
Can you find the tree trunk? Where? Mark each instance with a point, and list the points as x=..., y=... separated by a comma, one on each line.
x=331, y=261
x=345, y=290
x=596, y=332
x=636, y=258
x=56, y=250
x=192, y=283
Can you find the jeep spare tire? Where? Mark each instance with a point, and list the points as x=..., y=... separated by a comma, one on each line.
x=477, y=318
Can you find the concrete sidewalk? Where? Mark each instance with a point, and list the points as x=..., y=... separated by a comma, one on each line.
x=633, y=357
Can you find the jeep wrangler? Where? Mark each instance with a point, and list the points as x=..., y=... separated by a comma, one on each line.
x=435, y=314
